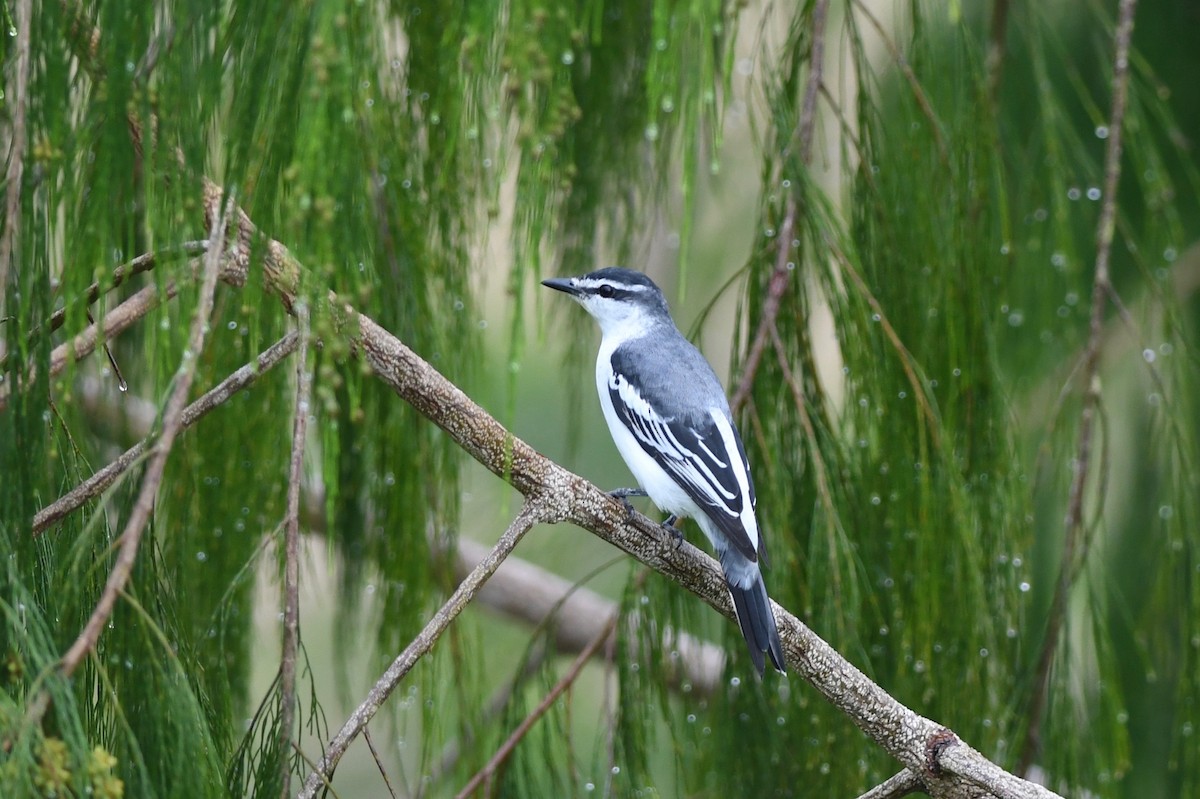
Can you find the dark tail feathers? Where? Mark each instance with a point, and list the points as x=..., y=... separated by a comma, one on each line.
x=758, y=624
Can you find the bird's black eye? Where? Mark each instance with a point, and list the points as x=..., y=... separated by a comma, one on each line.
x=606, y=291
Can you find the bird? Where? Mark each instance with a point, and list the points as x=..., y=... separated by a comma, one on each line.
x=670, y=420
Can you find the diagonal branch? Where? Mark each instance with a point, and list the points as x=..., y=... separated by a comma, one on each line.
x=1074, y=549
x=896, y=786
x=577, y=615
x=95, y=485
x=143, y=263
x=778, y=284
x=379, y=763
x=488, y=772
x=532, y=513
x=115, y=322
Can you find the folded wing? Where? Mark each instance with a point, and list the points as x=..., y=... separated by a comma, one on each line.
x=704, y=455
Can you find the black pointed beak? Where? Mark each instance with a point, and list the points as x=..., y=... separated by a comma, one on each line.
x=563, y=284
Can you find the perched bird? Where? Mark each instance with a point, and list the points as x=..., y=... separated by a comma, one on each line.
x=667, y=413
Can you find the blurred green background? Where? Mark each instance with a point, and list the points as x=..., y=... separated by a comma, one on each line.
x=913, y=429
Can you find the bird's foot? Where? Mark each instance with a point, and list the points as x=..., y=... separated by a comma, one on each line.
x=669, y=526
x=624, y=494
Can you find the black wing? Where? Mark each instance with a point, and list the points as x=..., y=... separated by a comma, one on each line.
x=697, y=452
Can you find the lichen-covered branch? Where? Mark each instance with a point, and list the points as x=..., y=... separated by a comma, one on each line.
x=559, y=495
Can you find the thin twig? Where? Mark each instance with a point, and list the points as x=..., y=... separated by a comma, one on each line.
x=378, y=763
x=95, y=485
x=417, y=649
x=115, y=321
x=492, y=708
x=291, y=569
x=568, y=679
x=1101, y=285
x=896, y=786
x=143, y=263
x=158, y=45
x=823, y=486
x=778, y=284
x=816, y=66
x=787, y=229
x=997, y=47
x=14, y=177
x=172, y=422
x=910, y=77
x=907, y=362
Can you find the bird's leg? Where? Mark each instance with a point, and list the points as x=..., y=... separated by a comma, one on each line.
x=624, y=494
x=669, y=525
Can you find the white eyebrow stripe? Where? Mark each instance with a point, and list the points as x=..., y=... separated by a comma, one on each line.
x=591, y=283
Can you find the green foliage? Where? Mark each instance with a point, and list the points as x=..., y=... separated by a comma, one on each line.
x=913, y=458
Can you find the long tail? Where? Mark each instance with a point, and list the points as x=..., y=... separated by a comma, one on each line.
x=758, y=623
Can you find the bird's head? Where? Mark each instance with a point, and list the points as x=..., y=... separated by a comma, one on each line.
x=620, y=299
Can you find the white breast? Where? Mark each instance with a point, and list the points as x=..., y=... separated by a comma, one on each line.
x=662, y=488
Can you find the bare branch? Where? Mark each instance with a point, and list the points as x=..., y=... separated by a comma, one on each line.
x=495, y=704
x=895, y=787
x=1073, y=552
x=291, y=570
x=816, y=68
x=115, y=321
x=530, y=515
x=778, y=284
x=118, y=319
x=95, y=485
x=143, y=263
